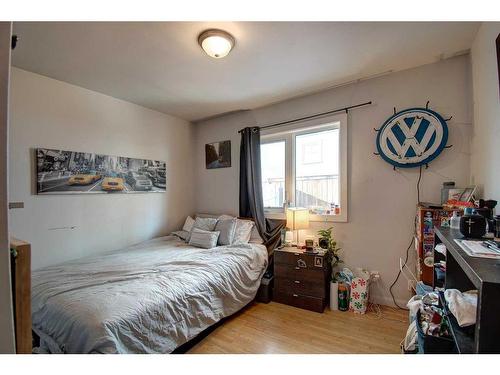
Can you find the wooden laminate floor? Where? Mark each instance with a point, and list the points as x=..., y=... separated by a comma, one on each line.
x=278, y=328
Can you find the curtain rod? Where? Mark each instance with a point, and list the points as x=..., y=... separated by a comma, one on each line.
x=346, y=109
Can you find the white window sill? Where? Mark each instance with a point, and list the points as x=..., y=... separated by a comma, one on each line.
x=313, y=218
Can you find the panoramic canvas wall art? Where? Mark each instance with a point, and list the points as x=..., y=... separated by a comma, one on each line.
x=71, y=172
x=218, y=155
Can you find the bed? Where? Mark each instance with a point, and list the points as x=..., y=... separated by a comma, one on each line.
x=148, y=298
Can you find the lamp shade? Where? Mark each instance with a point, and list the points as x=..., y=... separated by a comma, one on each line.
x=297, y=218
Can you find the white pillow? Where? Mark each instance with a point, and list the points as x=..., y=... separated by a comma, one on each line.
x=225, y=217
x=213, y=216
x=188, y=224
x=203, y=238
x=242, y=231
x=255, y=236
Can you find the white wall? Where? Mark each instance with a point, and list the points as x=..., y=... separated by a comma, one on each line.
x=485, y=160
x=53, y=114
x=7, y=342
x=381, y=201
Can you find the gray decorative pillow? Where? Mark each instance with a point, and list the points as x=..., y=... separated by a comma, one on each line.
x=203, y=238
x=226, y=228
x=188, y=224
x=203, y=223
x=242, y=231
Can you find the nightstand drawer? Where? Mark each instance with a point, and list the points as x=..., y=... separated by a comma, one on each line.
x=297, y=300
x=291, y=258
x=287, y=271
x=305, y=288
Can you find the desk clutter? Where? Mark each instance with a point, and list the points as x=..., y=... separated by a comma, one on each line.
x=480, y=249
x=474, y=220
x=457, y=279
x=463, y=306
x=433, y=316
x=456, y=312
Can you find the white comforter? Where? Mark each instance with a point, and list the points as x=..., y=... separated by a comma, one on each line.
x=148, y=298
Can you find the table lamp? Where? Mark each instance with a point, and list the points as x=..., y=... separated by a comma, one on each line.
x=297, y=218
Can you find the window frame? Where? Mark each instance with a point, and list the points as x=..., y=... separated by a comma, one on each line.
x=288, y=134
x=276, y=139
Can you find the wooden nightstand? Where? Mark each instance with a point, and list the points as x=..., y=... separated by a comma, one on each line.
x=301, y=279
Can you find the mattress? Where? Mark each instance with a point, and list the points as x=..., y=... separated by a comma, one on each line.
x=148, y=298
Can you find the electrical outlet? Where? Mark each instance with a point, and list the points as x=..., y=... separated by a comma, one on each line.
x=374, y=276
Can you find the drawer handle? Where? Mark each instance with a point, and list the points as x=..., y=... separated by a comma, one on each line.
x=297, y=282
x=295, y=295
x=297, y=254
x=301, y=263
x=297, y=268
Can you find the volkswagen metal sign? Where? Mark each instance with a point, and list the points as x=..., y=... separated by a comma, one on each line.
x=412, y=137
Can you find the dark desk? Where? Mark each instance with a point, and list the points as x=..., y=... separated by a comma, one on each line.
x=464, y=272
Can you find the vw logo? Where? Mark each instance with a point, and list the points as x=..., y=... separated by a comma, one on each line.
x=412, y=137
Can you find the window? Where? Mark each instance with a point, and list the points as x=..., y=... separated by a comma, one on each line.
x=316, y=183
x=305, y=165
x=272, y=157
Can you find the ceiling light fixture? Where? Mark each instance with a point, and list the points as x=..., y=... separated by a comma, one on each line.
x=216, y=43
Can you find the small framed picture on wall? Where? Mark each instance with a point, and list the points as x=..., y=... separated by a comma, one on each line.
x=218, y=155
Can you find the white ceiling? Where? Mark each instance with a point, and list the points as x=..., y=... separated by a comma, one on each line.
x=161, y=66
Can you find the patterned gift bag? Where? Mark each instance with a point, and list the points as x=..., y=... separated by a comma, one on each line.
x=359, y=295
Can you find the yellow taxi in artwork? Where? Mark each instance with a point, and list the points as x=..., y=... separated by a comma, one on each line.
x=84, y=178
x=112, y=183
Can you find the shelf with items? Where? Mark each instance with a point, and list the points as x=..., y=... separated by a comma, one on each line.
x=427, y=219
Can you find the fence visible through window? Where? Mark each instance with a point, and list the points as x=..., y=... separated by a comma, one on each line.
x=310, y=191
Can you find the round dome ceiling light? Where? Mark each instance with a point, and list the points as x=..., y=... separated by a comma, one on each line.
x=216, y=43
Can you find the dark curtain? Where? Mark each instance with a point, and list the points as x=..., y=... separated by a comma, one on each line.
x=251, y=204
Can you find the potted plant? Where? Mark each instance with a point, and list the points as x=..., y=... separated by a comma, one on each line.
x=327, y=242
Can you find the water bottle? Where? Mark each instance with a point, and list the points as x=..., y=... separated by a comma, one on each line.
x=455, y=221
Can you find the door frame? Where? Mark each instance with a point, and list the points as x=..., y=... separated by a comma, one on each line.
x=7, y=338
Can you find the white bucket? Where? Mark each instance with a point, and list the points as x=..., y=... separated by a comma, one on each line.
x=334, y=296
